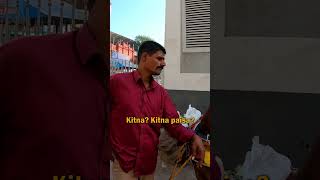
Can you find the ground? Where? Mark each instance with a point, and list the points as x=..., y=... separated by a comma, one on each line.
x=164, y=172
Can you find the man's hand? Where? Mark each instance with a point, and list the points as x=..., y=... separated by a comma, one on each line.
x=198, y=149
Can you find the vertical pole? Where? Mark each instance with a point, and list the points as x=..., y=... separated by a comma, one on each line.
x=38, y=18
x=73, y=14
x=17, y=19
x=27, y=17
x=49, y=16
x=61, y=16
x=6, y=27
x=85, y=11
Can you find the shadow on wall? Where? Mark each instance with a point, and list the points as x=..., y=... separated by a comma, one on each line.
x=288, y=122
x=198, y=99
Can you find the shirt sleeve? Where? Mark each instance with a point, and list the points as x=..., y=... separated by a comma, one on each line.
x=112, y=88
x=3, y=75
x=176, y=130
x=1, y=80
x=5, y=57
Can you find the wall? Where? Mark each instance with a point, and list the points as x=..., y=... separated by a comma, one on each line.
x=285, y=64
x=179, y=74
x=265, y=86
x=195, y=63
x=288, y=122
x=198, y=100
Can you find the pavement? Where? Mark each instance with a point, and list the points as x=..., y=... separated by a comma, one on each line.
x=163, y=172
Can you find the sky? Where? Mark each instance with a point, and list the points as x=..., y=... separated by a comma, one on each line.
x=138, y=17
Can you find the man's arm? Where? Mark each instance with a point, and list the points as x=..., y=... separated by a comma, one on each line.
x=4, y=59
x=112, y=88
x=181, y=133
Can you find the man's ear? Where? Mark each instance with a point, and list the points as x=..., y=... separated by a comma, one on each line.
x=144, y=57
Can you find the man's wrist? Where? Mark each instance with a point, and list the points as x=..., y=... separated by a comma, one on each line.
x=194, y=137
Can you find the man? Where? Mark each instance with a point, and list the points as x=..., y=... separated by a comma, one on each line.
x=138, y=95
x=53, y=104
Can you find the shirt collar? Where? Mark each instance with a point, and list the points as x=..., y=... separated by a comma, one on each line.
x=137, y=77
x=86, y=45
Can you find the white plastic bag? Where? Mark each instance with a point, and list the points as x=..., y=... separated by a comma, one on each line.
x=265, y=161
x=192, y=113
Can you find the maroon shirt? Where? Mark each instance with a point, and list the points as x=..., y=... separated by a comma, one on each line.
x=135, y=145
x=53, y=108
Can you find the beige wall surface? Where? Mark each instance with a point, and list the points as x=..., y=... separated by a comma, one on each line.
x=263, y=63
x=181, y=73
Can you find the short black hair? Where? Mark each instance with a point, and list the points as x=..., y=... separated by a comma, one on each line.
x=150, y=47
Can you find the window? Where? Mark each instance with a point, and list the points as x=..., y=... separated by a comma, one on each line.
x=196, y=25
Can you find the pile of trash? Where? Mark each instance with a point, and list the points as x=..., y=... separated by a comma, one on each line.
x=193, y=115
x=262, y=162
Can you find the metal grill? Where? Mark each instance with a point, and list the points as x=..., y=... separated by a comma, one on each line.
x=196, y=25
x=21, y=18
x=121, y=66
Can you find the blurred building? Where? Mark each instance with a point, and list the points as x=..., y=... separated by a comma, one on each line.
x=40, y=17
x=122, y=45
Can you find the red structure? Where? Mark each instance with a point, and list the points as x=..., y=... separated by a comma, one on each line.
x=125, y=49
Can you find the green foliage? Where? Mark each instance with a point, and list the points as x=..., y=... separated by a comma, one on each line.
x=139, y=40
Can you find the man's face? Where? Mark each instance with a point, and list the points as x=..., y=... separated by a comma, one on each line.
x=154, y=63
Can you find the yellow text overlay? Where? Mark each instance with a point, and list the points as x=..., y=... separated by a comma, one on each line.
x=156, y=120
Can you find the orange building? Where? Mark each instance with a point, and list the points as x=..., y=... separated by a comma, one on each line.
x=123, y=48
x=123, y=45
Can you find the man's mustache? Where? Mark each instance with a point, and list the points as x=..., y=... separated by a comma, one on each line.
x=160, y=67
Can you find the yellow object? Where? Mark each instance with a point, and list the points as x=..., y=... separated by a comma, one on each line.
x=263, y=178
x=191, y=121
x=206, y=161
